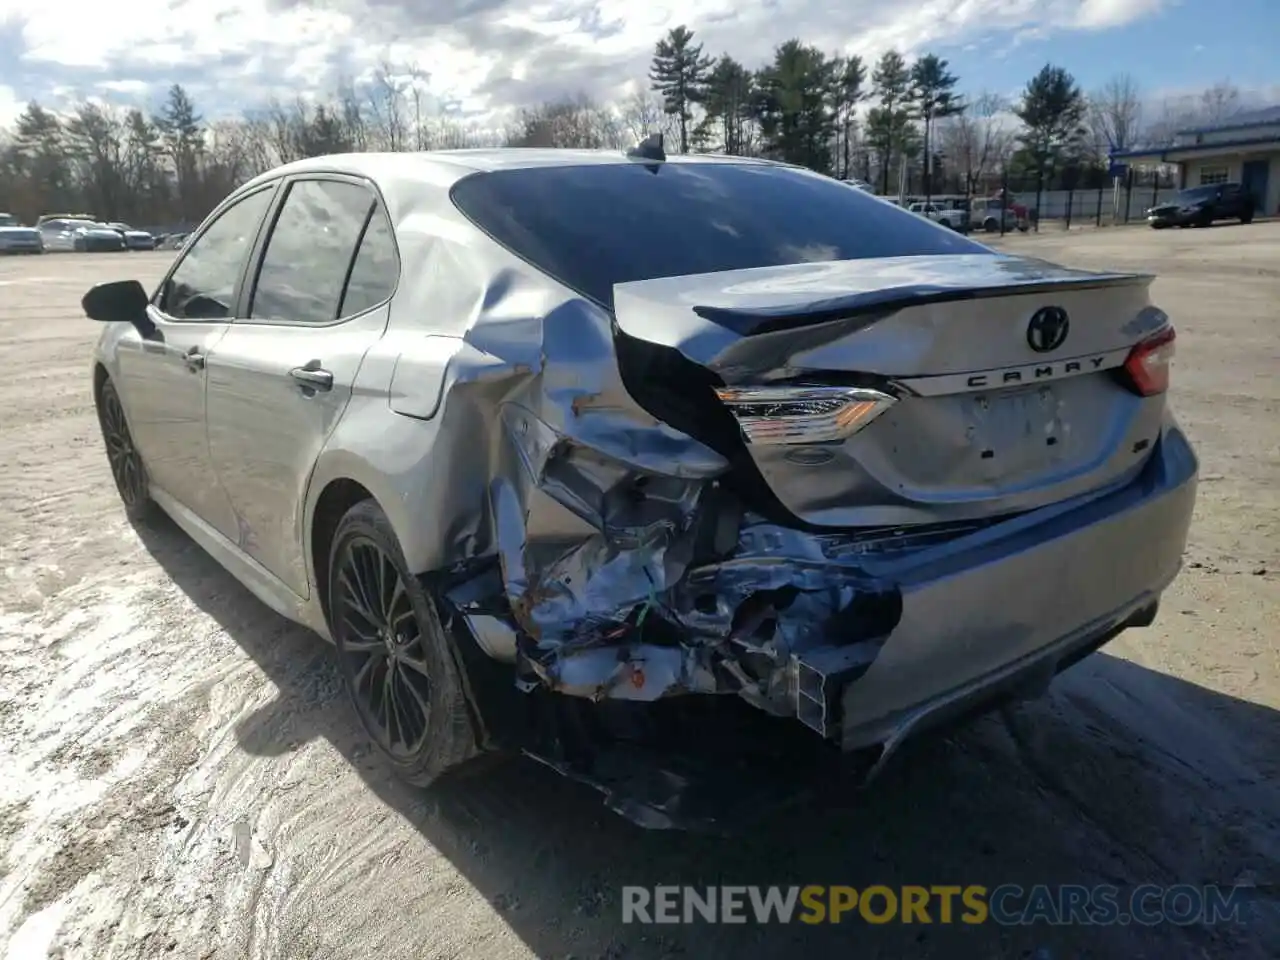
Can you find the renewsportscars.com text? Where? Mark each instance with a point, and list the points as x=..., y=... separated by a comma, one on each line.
x=1008, y=904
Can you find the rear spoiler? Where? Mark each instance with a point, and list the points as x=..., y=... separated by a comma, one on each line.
x=874, y=304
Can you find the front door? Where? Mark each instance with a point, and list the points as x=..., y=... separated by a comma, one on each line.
x=1253, y=177
x=162, y=376
x=281, y=378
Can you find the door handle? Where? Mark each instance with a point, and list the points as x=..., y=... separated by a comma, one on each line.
x=194, y=359
x=313, y=376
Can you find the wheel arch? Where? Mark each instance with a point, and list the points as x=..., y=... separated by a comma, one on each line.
x=100, y=377
x=339, y=482
x=338, y=496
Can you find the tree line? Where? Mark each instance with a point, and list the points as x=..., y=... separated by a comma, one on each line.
x=896, y=124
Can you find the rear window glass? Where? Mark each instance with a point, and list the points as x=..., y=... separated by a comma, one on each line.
x=593, y=226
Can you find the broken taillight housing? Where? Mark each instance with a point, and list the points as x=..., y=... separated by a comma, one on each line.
x=803, y=414
x=1147, y=365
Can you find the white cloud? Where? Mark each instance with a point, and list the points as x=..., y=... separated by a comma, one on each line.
x=130, y=87
x=10, y=105
x=486, y=53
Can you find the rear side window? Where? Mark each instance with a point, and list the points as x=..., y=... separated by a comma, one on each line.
x=375, y=271
x=310, y=251
x=591, y=227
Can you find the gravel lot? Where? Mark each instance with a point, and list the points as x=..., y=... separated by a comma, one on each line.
x=183, y=779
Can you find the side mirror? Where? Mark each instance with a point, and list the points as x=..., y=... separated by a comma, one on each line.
x=118, y=301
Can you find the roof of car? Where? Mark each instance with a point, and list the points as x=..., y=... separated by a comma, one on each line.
x=445, y=167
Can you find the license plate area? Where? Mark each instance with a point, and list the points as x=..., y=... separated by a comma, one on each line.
x=1015, y=432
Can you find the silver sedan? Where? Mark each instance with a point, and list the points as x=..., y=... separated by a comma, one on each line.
x=571, y=452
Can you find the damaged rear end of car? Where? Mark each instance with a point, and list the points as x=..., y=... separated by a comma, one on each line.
x=861, y=486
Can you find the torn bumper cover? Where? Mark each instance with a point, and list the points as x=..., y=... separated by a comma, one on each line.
x=627, y=583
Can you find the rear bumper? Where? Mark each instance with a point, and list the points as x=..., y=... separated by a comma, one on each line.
x=1013, y=604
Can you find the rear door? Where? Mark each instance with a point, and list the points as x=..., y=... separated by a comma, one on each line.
x=55, y=235
x=1233, y=200
x=282, y=376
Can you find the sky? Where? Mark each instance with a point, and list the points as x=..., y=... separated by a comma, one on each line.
x=486, y=55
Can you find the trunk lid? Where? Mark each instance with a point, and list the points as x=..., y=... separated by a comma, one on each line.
x=991, y=417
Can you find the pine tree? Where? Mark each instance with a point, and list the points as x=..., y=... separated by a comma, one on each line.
x=797, y=122
x=932, y=90
x=889, y=124
x=182, y=134
x=728, y=102
x=1052, y=112
x=847, y=92
x=679, y=72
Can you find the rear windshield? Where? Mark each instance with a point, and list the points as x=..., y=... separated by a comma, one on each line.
x=593, y=226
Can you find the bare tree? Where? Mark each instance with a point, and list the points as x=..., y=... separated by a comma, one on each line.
x=643, y=113
x=1219, y=102
x=282, y=128
x=1213, y=105
x=418, y=82
x=573, y=122
x=1115, y=114
x=979, y=141
x=95, y=139
x=351, y=109
x=386, y=98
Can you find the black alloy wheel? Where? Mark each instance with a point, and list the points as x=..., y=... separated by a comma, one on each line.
x=127, y=468
x=383, y=643
x=395, y=656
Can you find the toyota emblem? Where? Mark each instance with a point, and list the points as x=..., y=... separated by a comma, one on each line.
x=1048, y=329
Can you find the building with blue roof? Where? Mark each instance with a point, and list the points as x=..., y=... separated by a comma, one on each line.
x=1244, y=149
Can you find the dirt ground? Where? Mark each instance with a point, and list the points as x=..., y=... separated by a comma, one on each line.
x=182, y=777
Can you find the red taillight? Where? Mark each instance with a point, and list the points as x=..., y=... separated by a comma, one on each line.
x=1148, y=363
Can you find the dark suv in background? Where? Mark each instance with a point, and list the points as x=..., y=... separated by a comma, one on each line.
x=1200, y=206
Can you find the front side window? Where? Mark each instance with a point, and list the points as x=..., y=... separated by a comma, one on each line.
x=203, y=286
x=594, y=226
x=1197, y=194
x=310, y=251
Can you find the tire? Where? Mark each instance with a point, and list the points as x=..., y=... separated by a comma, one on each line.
x=991, y=226
x=387, y=630
x=1246, y=218
x=127, y=468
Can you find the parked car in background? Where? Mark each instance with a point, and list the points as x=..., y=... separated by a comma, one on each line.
x=46, y=217
x=15, y=238
x=943, y=213
x=134, y=239
x=80, y=236
x=1201, y=206
x=985, y=213
x=584, y=454
x=860, y=184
